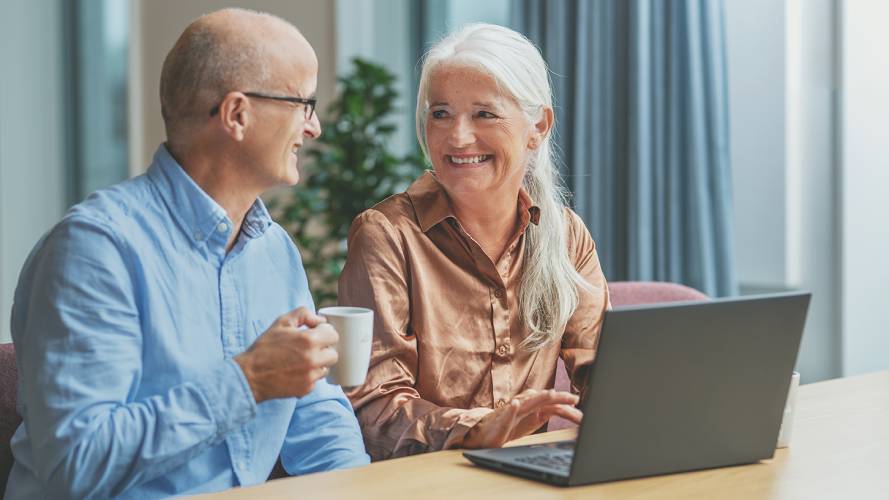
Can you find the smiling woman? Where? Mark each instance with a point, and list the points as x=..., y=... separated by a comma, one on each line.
x=480, y=275
x=476, y=137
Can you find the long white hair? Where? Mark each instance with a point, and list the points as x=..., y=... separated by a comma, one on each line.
x=548, y=293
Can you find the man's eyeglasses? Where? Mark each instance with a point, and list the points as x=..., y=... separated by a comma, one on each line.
x=308, y=103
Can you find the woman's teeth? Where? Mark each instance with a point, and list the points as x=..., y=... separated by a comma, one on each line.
x=468, y=159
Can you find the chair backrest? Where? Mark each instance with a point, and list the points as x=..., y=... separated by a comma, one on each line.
x=9, y=417
x=628, y=293
x=631, y=293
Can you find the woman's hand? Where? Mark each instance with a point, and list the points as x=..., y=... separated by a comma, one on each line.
x=522, y=416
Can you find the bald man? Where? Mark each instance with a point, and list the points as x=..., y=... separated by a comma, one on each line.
x=165, y=335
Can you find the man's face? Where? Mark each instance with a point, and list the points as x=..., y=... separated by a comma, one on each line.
x=279, y=128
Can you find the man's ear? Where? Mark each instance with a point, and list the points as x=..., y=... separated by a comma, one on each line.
x=235, y=115
x=542, y=128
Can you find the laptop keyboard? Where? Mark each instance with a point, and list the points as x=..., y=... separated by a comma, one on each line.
x=558, y=460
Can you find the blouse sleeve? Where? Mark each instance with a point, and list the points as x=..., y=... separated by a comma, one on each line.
x=582, y=331
x=394, y=418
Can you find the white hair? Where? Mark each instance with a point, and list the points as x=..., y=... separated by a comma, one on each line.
x=548, y=293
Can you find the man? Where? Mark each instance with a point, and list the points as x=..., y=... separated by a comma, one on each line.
x=133, y=317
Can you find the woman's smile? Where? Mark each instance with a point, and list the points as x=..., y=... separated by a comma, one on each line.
x=469, y=161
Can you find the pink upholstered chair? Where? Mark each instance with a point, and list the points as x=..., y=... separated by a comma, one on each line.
x=628, y=293
x=9, y=417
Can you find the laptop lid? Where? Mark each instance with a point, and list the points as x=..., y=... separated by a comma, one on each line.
x=686, y=386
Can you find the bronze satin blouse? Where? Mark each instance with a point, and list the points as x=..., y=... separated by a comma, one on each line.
x=447, y=326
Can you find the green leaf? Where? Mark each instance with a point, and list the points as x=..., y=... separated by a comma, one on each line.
x=349, y=169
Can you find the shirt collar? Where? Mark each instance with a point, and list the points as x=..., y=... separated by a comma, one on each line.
x=198, y=213
x=432, y=205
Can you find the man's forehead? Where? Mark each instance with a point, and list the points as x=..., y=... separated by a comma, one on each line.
x=295, y=74
x=303, y=86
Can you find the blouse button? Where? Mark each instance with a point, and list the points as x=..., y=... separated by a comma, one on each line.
x=501, y=403
x=499, y=293
x=503, y=350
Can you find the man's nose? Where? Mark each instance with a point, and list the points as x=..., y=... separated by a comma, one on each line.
x=462, y=133
x=313, y=127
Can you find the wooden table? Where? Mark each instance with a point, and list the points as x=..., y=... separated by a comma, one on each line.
x=840, y=449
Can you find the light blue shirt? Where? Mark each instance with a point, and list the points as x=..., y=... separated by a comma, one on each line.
x=126, y=318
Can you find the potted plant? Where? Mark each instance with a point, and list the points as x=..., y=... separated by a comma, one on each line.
x=350, y=169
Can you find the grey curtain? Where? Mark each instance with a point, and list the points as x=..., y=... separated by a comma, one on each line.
x=642, y=125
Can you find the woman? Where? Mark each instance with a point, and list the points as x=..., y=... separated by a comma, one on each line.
x=479, y=274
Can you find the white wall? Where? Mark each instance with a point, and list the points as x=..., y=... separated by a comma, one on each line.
x=755, y=31
x=813, y=173
x=865, y=184
x=32, y=140
x=782, y=109
x=160, y=22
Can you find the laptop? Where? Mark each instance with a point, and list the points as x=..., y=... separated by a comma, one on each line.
x=675, y=387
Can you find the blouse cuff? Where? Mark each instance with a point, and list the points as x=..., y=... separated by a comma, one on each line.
x=468, y=419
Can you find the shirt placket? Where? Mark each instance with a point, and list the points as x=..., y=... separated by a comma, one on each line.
x=503, y=350
x=500, y=366
x=501, y=380
x=239, y=443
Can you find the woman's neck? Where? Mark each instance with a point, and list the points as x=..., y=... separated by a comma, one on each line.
x=491, y=220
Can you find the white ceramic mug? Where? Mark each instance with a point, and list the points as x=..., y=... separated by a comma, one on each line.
x=355, y=326
x=786, y=430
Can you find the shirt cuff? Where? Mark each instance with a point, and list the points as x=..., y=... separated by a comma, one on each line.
x=228, y=396
x=467, y=421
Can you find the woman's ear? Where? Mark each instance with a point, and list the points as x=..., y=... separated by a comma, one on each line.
x=234, y=114
x=542, y=128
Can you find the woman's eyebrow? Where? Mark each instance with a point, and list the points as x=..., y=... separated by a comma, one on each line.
x=481, y=104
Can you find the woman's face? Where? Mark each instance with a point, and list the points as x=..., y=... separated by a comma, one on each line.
x=478, y=138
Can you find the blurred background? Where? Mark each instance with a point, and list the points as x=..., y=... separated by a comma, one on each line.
x=737, y=146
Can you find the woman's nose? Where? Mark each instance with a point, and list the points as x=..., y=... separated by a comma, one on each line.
x=462, y=133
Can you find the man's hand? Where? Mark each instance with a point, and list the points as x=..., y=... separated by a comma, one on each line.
x=522, y=416
x=286, y=360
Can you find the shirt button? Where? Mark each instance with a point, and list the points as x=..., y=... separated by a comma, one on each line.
x=501, y=403
x=503, y=350
x=198, y=235
x=242, y=464
x=499, y=293
x=222, y=227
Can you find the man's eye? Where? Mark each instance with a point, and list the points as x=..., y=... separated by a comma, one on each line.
x=439, y=113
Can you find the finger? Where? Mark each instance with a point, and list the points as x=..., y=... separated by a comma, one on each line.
x=326, y=357
x=324, y=335
x=536, y=399
x=319, y=373
x=571, y=414
x=539, y=418
x=567, y=412
x=563, y=397
x=301, y=317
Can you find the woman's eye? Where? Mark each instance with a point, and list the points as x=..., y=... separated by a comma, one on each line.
x=439, y=113
x=486, y=114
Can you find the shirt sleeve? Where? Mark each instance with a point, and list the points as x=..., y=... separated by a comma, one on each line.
x=395, y=419
x=79, y=345
x=323, y=433
x=582, y=331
